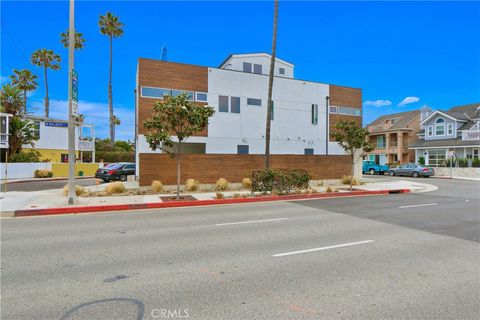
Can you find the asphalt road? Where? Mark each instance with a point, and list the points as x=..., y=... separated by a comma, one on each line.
x=39, y=185
x=412, y=256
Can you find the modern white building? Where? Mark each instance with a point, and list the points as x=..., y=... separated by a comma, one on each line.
x=304, y=112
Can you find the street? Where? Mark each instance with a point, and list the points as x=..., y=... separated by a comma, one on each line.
x=404, y=256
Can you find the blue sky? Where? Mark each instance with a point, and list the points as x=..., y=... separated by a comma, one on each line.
x=416, y=52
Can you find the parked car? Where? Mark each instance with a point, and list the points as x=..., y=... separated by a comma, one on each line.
x=373, y=168
x=412, y=170
x=116, y=171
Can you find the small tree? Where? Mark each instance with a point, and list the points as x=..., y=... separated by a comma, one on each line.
x=352, y=138
x=175, y=117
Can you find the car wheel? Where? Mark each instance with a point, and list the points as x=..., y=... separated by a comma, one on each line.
x=415, y=174
x=123, y=177
x=391, y=173
x=372, y=171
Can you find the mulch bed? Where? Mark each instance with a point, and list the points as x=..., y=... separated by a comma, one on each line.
x=174, y=198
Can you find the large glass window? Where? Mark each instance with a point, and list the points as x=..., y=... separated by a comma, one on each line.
x=380, y=142
x=222, y=103
x=349, y=111
x=254, y=102
x=257, y=68
x=154, y=92
x=439, y=127
x=436, y=157
x=247, y=67
x=234, y=104
x=314, y=113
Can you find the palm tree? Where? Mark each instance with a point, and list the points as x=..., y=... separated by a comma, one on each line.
x=270, y=87
x=46, y=59
x=26, y=81
x=112, y=27
x=79, y=40
x=11, y=99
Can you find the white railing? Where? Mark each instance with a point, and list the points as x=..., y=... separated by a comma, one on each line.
x=85, y=145
x=3, y=141
x=471, y=135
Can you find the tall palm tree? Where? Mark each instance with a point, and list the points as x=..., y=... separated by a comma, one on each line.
x=270, y=87
x=26, y=81
x=79, y=40
x=11, y=99
x=110, y=26
x=48, y=60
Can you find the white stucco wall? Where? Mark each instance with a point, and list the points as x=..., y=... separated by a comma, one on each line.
x=236, y=63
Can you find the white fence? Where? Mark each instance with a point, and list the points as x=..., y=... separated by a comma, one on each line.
x=22, y=170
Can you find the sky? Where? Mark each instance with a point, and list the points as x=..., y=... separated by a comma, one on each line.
x=402, y=54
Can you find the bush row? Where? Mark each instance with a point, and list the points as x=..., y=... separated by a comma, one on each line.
x=115, y=156
x=280, y=180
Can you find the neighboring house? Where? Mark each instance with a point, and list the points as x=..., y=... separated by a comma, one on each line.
x=237, y=89
x=391, y=135
x=52, y=140
x=4, y=125
x=457, y=130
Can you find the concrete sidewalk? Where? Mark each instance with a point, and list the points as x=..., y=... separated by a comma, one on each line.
x=13, y=201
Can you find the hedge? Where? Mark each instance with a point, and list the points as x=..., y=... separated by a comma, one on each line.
x=280, y=180
x=115, y=156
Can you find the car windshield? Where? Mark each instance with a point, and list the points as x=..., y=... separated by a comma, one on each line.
x=114, y=166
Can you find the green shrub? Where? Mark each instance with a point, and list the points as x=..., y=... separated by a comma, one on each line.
x=29, y=156
x=462, y=162
x=115, y=156
x=421, y=160
x=43, y=173
x=280, y=180
x=476, y=162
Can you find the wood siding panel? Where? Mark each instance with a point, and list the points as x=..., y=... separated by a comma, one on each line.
x=207, y=168
x=344, y=97
x=170, y=75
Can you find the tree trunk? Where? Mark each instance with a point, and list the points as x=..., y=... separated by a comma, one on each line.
x=25, y=101
x=270, y=88
x=47, y=102
x=352, y=170
x=179, y=152
x=110, y=101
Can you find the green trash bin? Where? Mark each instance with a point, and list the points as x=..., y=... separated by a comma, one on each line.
x=80, y=173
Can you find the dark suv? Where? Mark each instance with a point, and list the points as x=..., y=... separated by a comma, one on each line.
x=116, y=171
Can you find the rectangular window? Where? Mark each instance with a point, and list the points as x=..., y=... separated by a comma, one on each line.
x=314, y=113
x=201, y=96
x=430, y=131
x=450, y=129
x=148, y=92
x=247, y=67
x=281, y=71
x=222, y=104
x=179, y=92
x=36, y=129
x=242, y=149
x=380, y=142
x=308, y=151
x=64, y=157
x=349, y=111
x=440, y=130
x=333, y=109
x=436, y=157
x=234, y=104
x=273, y=110
x=254, y=102
x=257, y=68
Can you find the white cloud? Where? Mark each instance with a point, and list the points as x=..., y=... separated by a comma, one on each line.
x=377, y=103
x=95, y=113
x=408, y=100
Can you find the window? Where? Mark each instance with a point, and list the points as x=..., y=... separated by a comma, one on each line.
x=242, y=149
x=439, y=127
x=201, y=96
x=273, y=109
x=393, y=121
x=175, y=93
x=222, y=104
x=430, y=131
x=130, y=166
x=281, y=71
x=314, y=113
x=380, y=142
x=247, y=67
x=257, y=68
x=64, y=157
x=36, y=130
x=450, y=129
x=234, y=104
x=254, y=102
x=436, y=157
x=349, y=111
x=333, y=109
x=308, y=151
x=154, y=92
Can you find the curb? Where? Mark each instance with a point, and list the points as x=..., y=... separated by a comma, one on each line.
x=47, y=179
x=158, y=205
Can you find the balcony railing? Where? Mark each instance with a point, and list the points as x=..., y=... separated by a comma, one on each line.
x=471, y=135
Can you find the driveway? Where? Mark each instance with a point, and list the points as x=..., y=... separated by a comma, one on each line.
x=39, y=185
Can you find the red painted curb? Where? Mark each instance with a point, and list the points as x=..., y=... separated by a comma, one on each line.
x=191, y=203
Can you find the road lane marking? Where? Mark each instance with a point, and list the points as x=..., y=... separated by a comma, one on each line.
x=419, y=205
x=250, y=221
x=322, y=248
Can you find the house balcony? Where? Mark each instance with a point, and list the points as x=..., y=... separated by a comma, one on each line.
x=471, y=135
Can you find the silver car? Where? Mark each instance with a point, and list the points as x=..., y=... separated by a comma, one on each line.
x=411, y=170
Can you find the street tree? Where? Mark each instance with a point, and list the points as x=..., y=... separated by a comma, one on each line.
x=354, y=140
x=79, y=40
x=26, y=81
x=48, y=60
x=11, y=100
x=110, y=26
x=173, y=121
